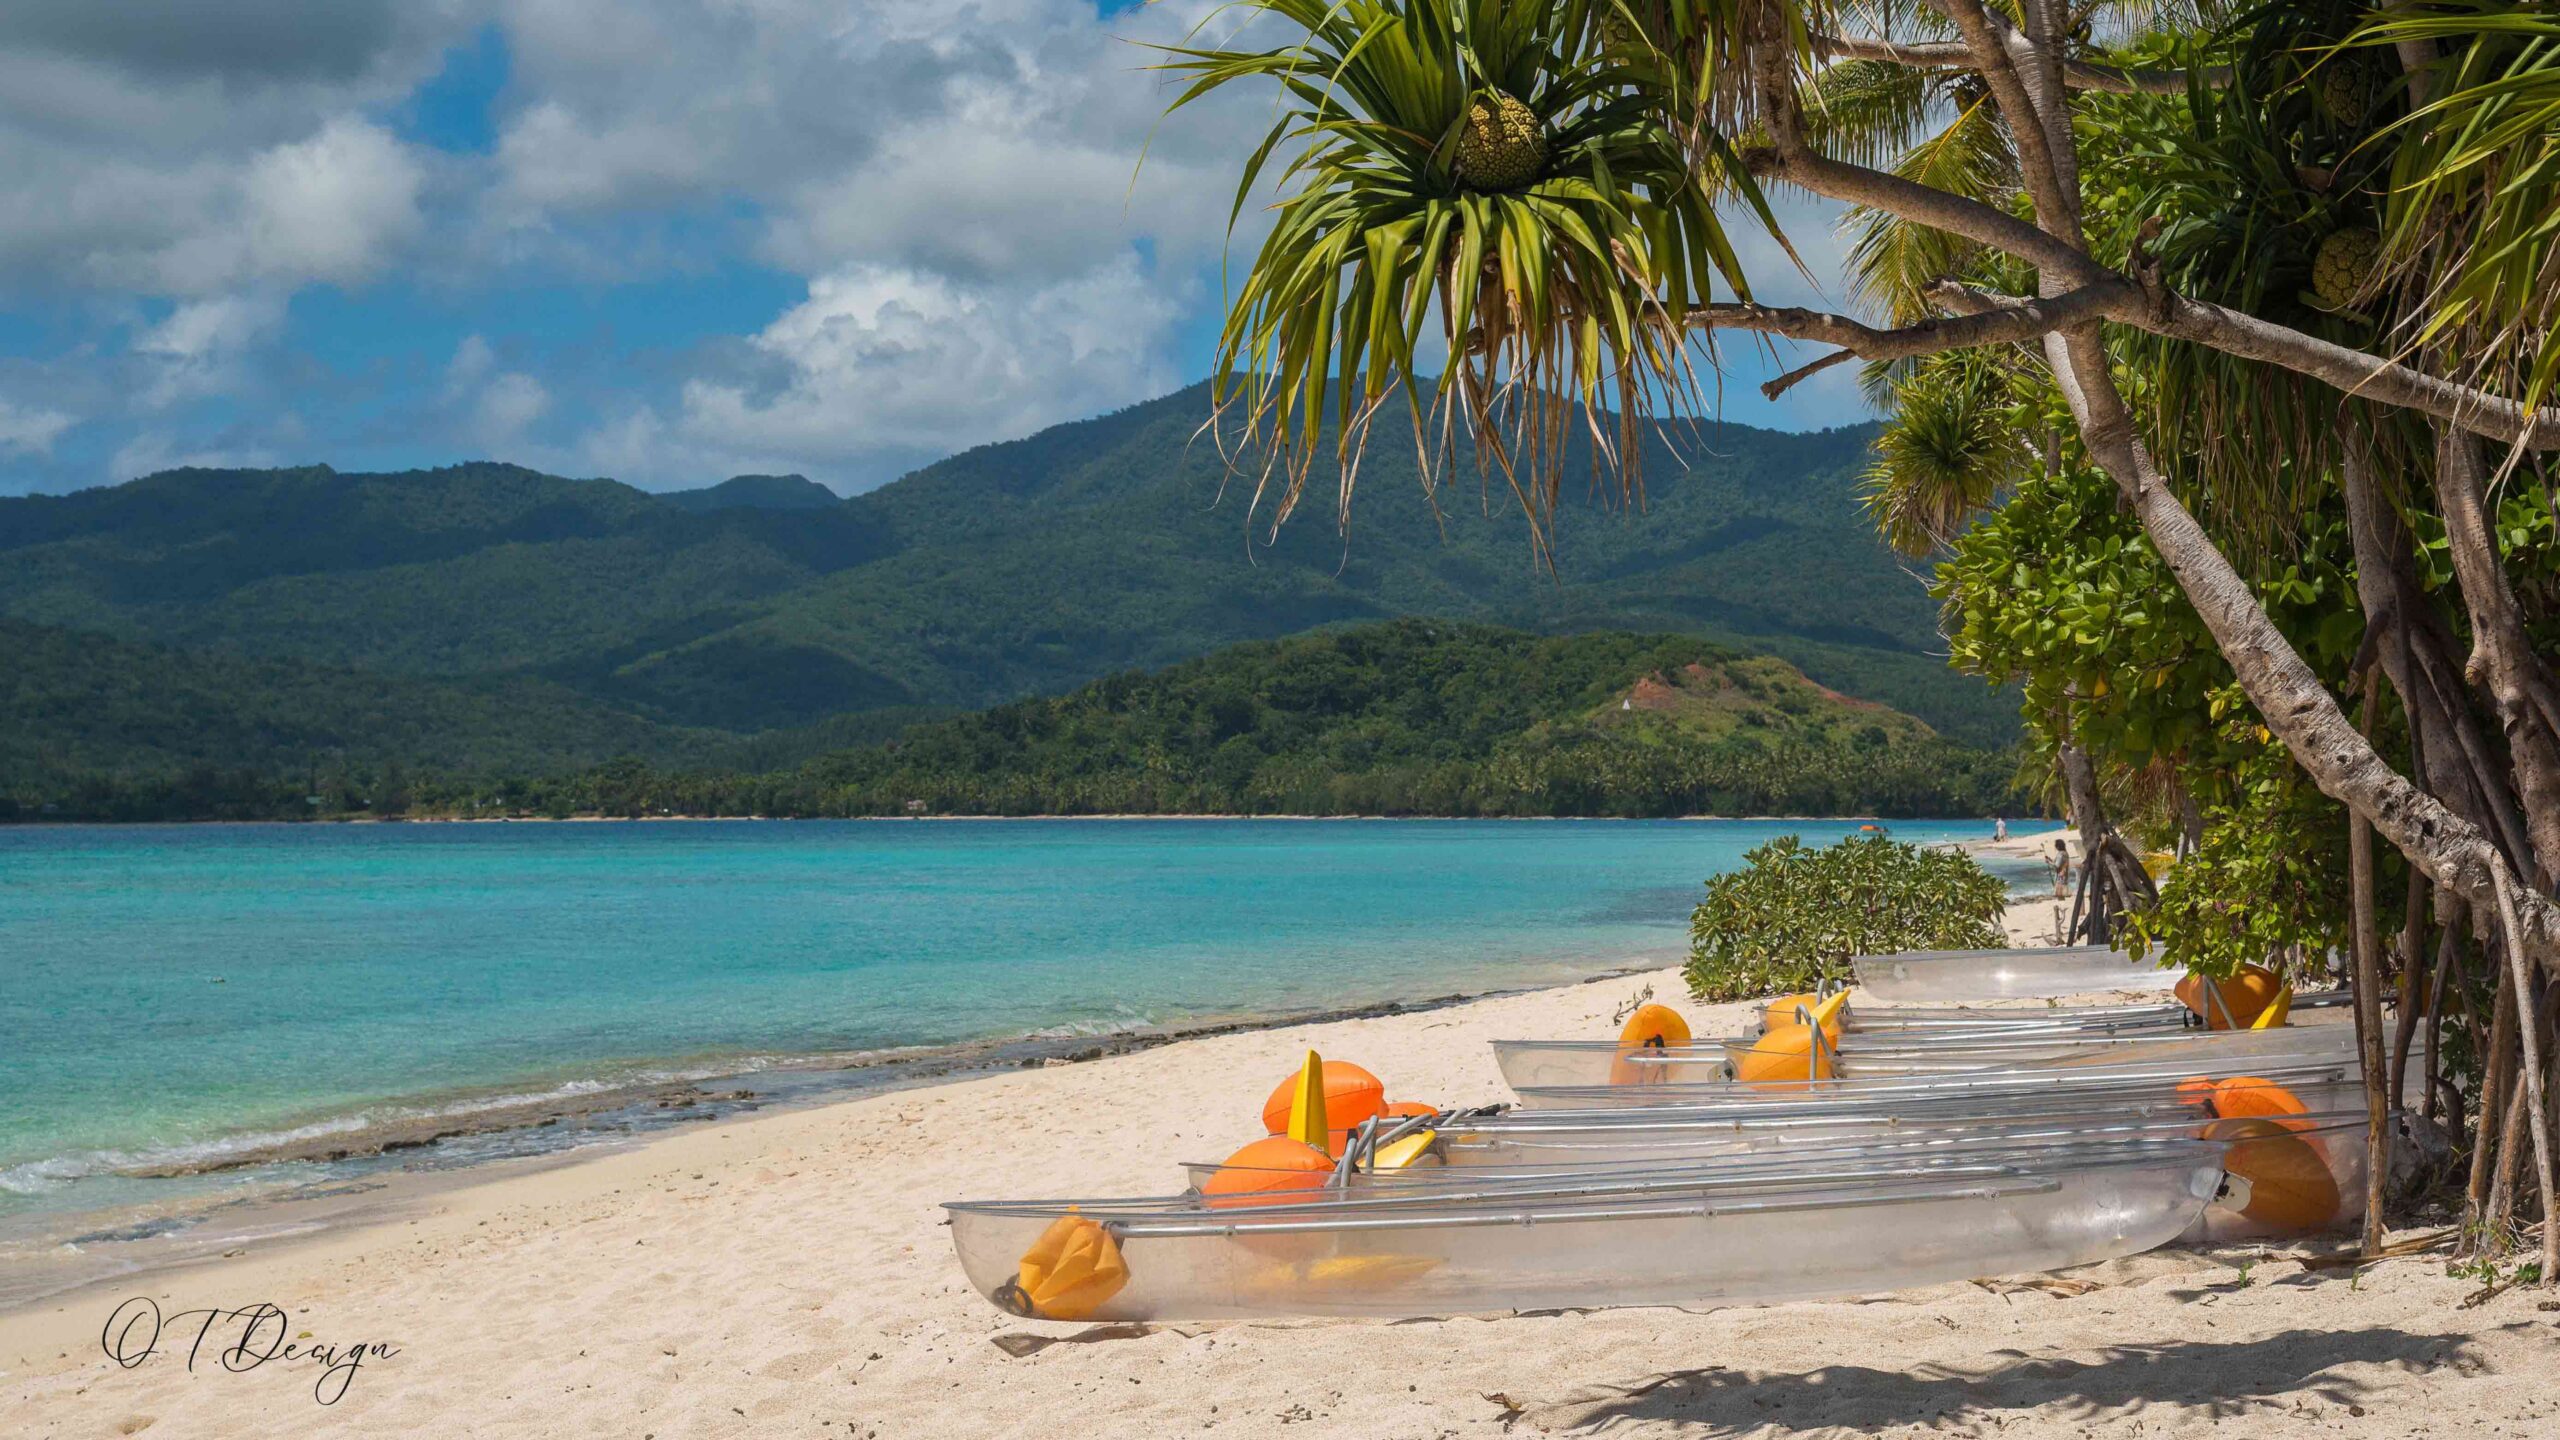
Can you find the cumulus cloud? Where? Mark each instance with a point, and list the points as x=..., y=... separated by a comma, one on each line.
x=953, y=186
x=195, y=351
x=28, y=429
x=960, y=181
x=170, y=147
x=325, y=209
x=507, y=404
x=178, y=39
x=879, y=356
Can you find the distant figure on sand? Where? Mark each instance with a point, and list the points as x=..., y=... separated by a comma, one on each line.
x=1999, y=829
x=2061, y=863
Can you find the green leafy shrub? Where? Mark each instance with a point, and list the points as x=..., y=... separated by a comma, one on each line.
x=1794, y=916
x=2269, y=883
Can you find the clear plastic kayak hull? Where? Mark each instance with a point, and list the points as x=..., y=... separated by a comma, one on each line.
x=1951, y=977
x=2156, y=1074
x=1682, y=1242
x=2322, y=1154
x=2038, y=1017
x=1543, y=1064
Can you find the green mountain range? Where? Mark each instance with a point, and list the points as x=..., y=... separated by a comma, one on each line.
x=514, y=621
x=1402, y=717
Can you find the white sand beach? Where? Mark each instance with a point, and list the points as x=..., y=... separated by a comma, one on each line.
x=788, y=1274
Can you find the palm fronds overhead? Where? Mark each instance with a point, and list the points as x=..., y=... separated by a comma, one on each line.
x=1497, y=177
x=2472, y=214
x=1952, y=448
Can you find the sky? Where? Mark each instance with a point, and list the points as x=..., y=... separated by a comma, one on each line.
x=666, y=241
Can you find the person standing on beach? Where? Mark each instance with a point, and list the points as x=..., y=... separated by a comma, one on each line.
x=1999, y=829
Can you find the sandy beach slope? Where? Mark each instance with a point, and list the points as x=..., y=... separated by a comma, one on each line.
x=788, y=1274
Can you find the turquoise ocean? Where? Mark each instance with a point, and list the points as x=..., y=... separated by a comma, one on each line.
x=172, y=994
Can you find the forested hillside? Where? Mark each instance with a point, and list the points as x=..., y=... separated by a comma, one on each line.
x=763, y=604
x=1407, y=717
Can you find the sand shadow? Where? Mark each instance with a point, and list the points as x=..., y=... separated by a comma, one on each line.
x=2218, y=1379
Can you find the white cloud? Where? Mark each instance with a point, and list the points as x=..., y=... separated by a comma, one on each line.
x=507, y=404
x=879, y=357
x=196, y=351
x=30, y=430
x=955, y=182
x=472, y=361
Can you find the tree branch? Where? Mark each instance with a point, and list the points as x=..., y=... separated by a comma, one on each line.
x=1784, y=383
x=2005, y=322
x=2232, y=332
x=1955, y=214
x=1993, y=43
x=2352, y=371
x=2078, y=74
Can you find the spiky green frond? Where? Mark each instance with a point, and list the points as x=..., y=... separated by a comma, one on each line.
x=1950, y=449
x=2473, y=210
x=1892, y=260
x=1560, y=291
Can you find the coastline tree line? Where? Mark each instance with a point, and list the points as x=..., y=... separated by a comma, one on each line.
x=1403, y=718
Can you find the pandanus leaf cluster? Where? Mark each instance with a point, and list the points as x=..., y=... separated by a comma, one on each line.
x=1499, y=182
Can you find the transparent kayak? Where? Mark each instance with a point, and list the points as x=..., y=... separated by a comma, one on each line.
x=1541, y=1064
x=1463, y=1151
x=1948, y=977
x=2313, y=1163
x=2155, y=1074
x=1679, y=1237
x=1882, y=1020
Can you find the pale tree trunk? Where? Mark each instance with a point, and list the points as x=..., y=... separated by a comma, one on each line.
x=2112, y=878
x=2456, y=763
x=2503, y=661
x=2366, y=936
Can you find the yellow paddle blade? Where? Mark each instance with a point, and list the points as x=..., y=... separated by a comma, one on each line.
x=1827, y=1014
x=1404, y=1152
x=1306, y=1109
x=2277, y=1009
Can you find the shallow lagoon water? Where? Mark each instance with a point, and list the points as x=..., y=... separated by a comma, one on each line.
x=175, y=992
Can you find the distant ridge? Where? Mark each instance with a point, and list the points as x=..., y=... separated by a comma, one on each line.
x=756, y=492
x=765, y=605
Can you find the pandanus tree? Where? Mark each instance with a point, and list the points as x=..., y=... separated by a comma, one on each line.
x=2131, y=315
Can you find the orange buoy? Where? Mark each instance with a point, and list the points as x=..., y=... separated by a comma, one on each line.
x=1788, y=1010
x=1652, y=1027
x=2235, y=1003
x=1785, y=1058
x=2245, y=1097
x=1407, y=1109
x=1068, y=1273
x=1270, y=1171
x=1351, y=1095
x=2290, y=1186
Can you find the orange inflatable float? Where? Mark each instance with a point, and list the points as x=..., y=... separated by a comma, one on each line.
x=2246, y=1097
x=1408, y=1109
x=1787, y=1058
x=1351, y=1095
x=1652, y=1027
x=1269, y=1171
x=2254, y=999
x=2289, y=1184
x=1788, y=1010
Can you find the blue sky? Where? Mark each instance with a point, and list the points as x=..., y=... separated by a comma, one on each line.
x=663, y=240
